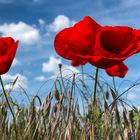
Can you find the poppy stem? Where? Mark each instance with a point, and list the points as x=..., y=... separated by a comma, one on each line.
x=8, y=103
x=95, y=85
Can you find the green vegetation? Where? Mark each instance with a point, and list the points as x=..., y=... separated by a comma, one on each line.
x=71, y=111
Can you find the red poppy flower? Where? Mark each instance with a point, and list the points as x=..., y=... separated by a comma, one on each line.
x=103, y=46
x=8, y=49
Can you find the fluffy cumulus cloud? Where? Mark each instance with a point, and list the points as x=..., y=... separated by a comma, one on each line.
x=21, y=81
x=21, y=31
x=52, y=66
x=60, y=22
x=40, y=78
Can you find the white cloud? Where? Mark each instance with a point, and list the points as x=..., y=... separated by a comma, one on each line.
x=41, y=21
x=131, y=96
x=129, y=2
x=20, y=31
x=5, y=1
x=15, y=62
x=21, y=81
x=52, y=66
x=36, y=1
x=40, y=78
x=60, y=22
x=133, y=93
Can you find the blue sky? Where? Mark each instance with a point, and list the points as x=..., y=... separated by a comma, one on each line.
x=35, y=22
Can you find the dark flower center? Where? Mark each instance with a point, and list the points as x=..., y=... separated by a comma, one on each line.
x=116, y=39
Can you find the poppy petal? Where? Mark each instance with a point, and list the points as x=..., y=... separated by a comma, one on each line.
x=119, y=70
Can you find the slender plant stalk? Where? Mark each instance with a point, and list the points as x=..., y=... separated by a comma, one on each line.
x=8, y=103
x=70, y=100
x=114, y=84
x=65, y=91
x=61, y=76
x=83, y=89
x=117, y=98
x=40, y=103
x=82, y=69
x=95, y=86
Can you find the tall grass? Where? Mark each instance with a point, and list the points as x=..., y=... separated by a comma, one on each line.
x=71, y=111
